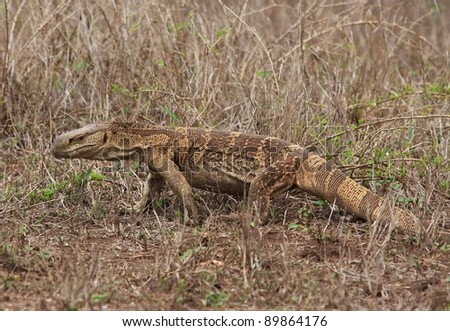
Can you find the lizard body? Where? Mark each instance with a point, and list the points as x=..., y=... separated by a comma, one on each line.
x=242, y=164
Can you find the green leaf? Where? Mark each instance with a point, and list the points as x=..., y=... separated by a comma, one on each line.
x=409, y=89
x=178, y=27
x=222, y=32
x=47, y=193
x=216, y=299
x=445, y=248
x=116, y=87
x=174, y=120
x=263, y=74
x=190, y=252
x=101, y=297
x=394, y=95
x=434, y=88
x=321, y=202
x=81, y=65
x=186, y=254
x=84, y=177
x=97, y=176
x=160, y=63
x=135, y=26
x=293, y=226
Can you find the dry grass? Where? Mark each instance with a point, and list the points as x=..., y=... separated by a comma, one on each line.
x=366, y=83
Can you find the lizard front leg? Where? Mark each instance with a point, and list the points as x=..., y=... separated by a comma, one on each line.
x=270, y=181
x=153, y=186
x=166, y=168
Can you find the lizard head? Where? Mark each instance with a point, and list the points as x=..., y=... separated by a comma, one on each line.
x=85, y=143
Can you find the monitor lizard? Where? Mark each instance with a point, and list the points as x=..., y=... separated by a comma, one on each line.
x=255, y=166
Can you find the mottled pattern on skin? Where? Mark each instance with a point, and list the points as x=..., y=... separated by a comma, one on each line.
x=242, y=164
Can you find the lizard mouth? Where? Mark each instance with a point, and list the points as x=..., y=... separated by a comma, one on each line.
x=55, y=152
x=80, y=152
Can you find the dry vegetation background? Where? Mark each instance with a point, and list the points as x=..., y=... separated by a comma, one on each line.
x=366, y=83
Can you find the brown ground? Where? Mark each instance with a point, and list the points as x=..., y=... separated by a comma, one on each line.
x=366, y=83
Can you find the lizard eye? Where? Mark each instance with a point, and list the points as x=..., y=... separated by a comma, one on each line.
x=76, y=139
x=105, y=138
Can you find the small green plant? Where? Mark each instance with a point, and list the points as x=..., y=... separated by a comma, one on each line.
x=135, y=27
x=311, y=284
x=47, y=193
x=263, y=74
x=178, y=27
x=101, y=297
x=444, y=185
x=84, y=177
x=8, y=281
x=81, y=65
x=348, y=157
x=9, y=256
x=216, y=299
x=174, y=120
x=44, y=255
x=394, y=95
x=409, y=89
x=438, y=161
x=445, y=247
x=382, y=154
x=305, y=212
x=321, y=203
x=434, y=88
x=118, y=88
x=293, y=226
x=57, y=83
x=161, y=63
x=190, y=252
x=182, y=286
x=72, y=306
x=98, y=211
x=160, y=202
x=393, y=252
x=405, y=200
x=221, y=33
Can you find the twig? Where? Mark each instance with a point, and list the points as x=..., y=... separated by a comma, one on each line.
x=357, y=23
x=5, y=79
x=386, y=120
x=272, y=67
x=41, y=27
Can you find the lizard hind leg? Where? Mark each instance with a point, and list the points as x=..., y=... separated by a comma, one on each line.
x=270, y=181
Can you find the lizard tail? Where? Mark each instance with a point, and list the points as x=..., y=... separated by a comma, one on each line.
x=317, y=176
